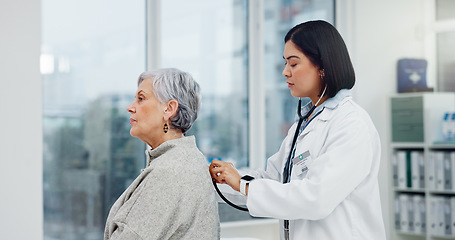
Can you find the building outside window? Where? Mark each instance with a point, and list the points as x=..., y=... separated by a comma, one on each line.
x=92, y=53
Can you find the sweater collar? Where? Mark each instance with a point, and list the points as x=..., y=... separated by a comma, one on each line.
x=152, y=154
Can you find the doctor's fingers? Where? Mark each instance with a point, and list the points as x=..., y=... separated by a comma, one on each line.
x=215, y=172
x=219, y=179
x=222, y=173
x=228, y=175
x=218, y=174
x=218, y=163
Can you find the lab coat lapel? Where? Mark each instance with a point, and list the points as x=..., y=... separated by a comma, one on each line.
x=324, y=116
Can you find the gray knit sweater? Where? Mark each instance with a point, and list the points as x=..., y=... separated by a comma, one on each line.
x=172, y=198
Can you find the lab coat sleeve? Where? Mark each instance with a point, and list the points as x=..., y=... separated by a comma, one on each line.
x=344, y=162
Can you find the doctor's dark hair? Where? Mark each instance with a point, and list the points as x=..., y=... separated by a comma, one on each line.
x=174, y=84
x=325, y=48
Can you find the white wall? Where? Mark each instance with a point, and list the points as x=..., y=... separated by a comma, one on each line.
x=20, y=136
x=378, y=33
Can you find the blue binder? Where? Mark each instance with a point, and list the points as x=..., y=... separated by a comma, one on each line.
x=412, y=75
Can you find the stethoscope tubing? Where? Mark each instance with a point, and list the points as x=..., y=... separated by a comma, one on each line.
x=226, y=200
x=296, y=134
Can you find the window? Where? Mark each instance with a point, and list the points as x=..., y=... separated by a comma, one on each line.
x=92, y=53
x=209, y=40
x=445, y=10
x=279, y=18
x=445, y=44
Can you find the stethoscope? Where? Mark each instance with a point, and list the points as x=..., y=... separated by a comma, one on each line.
x=286, y=172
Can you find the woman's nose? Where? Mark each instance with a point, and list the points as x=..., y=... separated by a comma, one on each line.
x=130, y=108
x=286, y=71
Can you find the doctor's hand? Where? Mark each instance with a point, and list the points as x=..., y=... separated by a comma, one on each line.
x=225, y=173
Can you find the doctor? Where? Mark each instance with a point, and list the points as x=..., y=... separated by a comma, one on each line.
x=323, y=186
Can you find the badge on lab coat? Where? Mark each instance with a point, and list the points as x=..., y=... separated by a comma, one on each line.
x=300, y=161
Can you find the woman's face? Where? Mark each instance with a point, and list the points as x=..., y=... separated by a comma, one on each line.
x=147, y=114
x=302, y=76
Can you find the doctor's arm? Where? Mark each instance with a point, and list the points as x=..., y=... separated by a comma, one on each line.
x=345, y=162
x=225, y=173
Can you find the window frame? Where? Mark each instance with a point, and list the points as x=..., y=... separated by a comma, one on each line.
x=432, y=27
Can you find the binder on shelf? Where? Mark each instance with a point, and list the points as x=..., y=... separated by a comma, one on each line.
x=415, y=169
x=440, y=216
x=419, y=213
x=404, y=213
x=452, y=207
x=411, y=214
x=408, y=170
x=398, y=213
x=401, y=157
x=439, y=170
x=433, y=216
x=395, y=170
x=447, y=217
x=447, y=171
x=431, y=171
x=423, y=214
x=452, y=161
x=421, y=170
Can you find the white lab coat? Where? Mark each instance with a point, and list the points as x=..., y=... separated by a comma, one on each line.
x=335, y=193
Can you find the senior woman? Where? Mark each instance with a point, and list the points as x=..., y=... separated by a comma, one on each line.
x=173, y=197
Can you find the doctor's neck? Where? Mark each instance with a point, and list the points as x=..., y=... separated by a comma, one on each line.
x=321, y=98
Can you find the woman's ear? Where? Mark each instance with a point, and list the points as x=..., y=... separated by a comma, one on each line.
x=171, y=109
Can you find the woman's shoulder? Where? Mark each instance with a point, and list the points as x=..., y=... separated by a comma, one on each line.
x=183, y=161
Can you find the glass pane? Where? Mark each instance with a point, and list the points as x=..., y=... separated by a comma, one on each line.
x=280, y=17
x=445, y=9
x=446, y=61
x=92, y=53
x=209, y=39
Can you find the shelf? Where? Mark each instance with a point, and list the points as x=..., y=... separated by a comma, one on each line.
x=442, y=192
x=409, y=190
x=418, y=115
x=411, y=233
x=443, y=236
x=443, y=145
x=408, y=145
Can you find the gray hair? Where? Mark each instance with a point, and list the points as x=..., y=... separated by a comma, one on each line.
x=174, y=84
